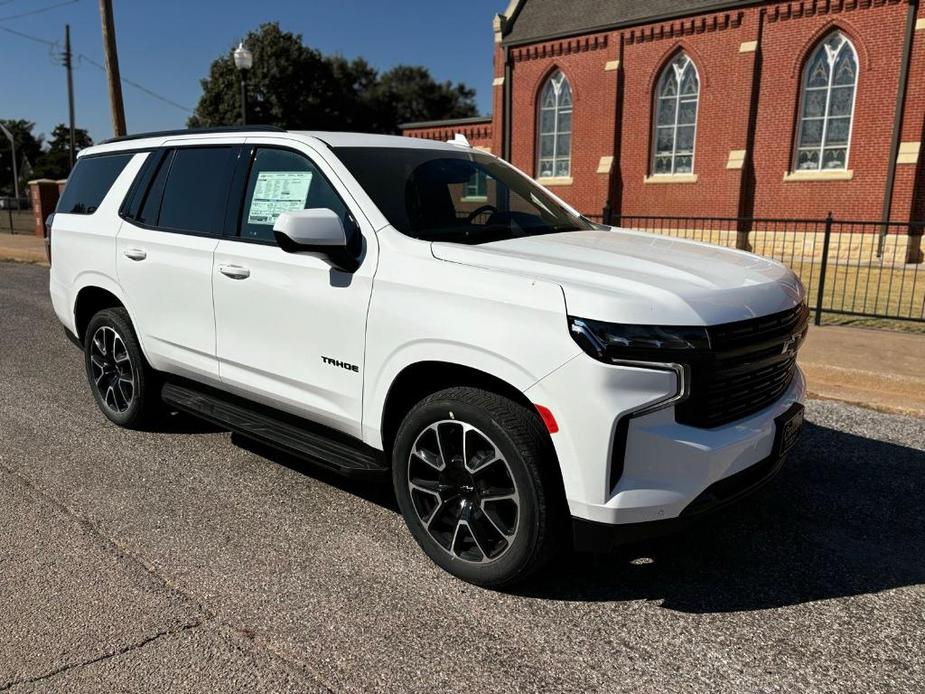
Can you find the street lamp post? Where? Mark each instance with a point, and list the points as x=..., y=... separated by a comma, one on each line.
x=9, y=136
x=244, y=61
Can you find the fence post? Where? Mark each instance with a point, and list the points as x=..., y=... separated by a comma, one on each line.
x=825, y=264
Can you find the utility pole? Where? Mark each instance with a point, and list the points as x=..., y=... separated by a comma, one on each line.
x=68, y=64
x=112, y=68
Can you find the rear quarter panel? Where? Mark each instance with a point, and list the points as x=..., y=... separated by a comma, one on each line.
x=83, y=247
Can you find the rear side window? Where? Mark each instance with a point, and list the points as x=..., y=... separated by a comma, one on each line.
x=196, y=190
x=152, y=200
x=89, y=182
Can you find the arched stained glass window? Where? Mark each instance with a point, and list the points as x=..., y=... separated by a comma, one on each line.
x=676, y=100
x=555, y=128
x=827, y=105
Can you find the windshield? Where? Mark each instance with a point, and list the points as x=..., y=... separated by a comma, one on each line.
x=461, y=197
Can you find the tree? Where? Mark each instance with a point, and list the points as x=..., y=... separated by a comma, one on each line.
x=408, y=93
x=28, y=147
x=290, y=85
x=296, y=87
x=55, y=162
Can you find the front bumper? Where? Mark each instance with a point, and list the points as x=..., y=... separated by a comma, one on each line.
x=588, y=536
x=667, y=468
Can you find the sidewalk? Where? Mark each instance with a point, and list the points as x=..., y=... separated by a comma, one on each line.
x=22, y=248
x=879, y=369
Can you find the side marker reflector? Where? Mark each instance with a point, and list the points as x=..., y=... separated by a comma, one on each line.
x=551, y=424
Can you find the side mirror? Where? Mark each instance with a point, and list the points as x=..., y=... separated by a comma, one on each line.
x=319, y=232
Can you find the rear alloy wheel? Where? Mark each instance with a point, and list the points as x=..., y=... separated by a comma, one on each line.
x=111, y=370
x=122, y=383
x=476, y=479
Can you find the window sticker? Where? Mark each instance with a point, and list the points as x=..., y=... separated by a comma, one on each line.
x=277, y=192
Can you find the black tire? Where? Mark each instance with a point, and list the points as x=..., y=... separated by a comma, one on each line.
x=134, y=406
x=516, y=433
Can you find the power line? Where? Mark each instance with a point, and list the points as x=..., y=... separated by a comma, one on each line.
x=37, y=39
x=38, y=11
x=82, y=57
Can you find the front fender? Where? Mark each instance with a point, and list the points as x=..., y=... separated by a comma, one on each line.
x=499, y=366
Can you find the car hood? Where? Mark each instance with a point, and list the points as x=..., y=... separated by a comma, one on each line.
x=633, y=277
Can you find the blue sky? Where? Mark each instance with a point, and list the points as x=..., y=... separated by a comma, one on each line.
x=167, y=46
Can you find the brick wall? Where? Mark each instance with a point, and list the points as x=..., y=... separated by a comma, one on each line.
x=750, y=64
x=478, y=134
x=713, y=44
x=582, y=60
x=877, y=34
x=909, y=191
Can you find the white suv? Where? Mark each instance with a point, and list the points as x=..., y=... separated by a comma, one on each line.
x=384, y=305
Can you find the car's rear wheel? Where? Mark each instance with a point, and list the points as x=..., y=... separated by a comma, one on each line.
x=475, y=478
x=122, y=383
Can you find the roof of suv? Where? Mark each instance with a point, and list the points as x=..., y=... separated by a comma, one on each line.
x=332, y=139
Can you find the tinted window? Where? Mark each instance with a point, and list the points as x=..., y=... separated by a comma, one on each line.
x=152, y=201
x=281, y=181
x=196, y=189
x=428, y=194
x=89, y=182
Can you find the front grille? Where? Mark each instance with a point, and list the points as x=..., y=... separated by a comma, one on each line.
x=750, y=365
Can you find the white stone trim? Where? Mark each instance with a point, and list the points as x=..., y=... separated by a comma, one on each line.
x=605, y=165
x=555, y=181
x=612, y=65
x=909, y=153
x=823, y=175
x=500, y=19
x=497, y=81
x=748, y=47
x=736, y=159
x=671, y=178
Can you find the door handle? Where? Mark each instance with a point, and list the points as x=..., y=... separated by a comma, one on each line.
x=235, y=272
x=135, y=254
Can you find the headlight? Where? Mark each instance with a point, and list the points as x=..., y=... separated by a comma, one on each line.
x=617, y=341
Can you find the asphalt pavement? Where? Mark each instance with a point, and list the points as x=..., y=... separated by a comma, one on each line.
x=189, y=559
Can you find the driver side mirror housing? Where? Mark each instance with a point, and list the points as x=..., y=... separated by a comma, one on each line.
x=319, y=232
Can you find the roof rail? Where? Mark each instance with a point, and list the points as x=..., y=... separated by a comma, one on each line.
x=198, y=131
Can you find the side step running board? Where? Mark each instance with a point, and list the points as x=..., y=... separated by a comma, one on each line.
x=331, y=449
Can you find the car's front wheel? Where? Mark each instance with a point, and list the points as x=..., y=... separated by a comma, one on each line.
x=475, y=479
x=122, y=383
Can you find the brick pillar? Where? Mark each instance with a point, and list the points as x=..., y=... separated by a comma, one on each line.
x=914, y=247
x=45, y=194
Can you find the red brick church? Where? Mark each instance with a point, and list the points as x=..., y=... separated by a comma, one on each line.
x=710, y=108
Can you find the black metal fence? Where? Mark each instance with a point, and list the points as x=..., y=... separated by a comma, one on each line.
x=861, y=269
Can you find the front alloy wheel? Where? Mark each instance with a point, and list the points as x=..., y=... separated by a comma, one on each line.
x=476, y=479
x=463, y=491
